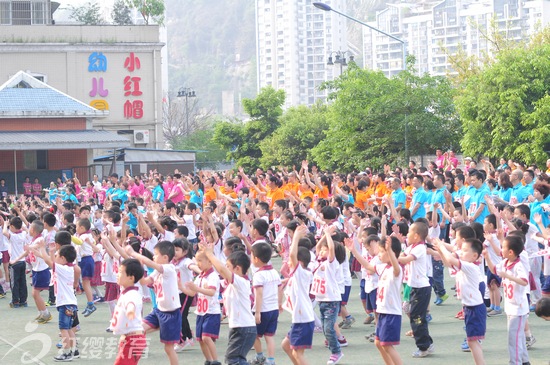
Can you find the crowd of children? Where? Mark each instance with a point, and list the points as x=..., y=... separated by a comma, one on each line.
x=207, y=240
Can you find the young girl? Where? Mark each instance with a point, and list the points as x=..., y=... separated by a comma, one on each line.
x=96, y=281
x=185, y=267
x=109, y=273
x=326, y=289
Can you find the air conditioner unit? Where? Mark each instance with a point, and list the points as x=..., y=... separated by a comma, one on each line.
x=141, y=136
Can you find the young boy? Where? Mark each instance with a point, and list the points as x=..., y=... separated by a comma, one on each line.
x=514, y=282
x=65, y=280
x=414, y=258
x=166, y=316
x=542, y=309
x=17, y=238
x=126, y=320
x=467, y=290
x=207, y=289
x=266, y=282
x=40, y=271
x=242, y=327
x=297, y=302
x=87, y=265
x=493, y=248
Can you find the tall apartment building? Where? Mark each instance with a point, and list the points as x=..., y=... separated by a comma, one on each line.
x=434, y=29
x=293, y=42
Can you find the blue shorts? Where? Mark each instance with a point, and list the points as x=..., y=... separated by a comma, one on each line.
x=268, y=323
x=87, y=267
x=208, y=325
x=362, y=293
x=301, y=335
x=475, y=319
x=493, y=277
x=371, y=301
x=345, y=296
x=41, y=279
x=67, y=315
x=546, y=285
x=388, y=329
x=169, y=324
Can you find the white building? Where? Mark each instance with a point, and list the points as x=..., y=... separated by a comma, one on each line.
x=433, y=30
x=293, y=42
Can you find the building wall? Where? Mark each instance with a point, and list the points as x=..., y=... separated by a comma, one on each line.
x=57, y=160
x=110, y=67
x=42, y=124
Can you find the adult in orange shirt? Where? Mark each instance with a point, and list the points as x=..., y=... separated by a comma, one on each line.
x=274, y=191
x=209, y=193
x=321, y=185
x=362, y=195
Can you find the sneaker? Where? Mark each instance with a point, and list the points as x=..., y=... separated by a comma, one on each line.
x=495, y=313
x=43, y=319
x=50, y=303
x=14, y=305
x=108, y=329
x=179, y=347
x=2, y=295
x=530, y=341
x=100, y=300
x=371, y=336
x=438, y=301
x=24, y=305
x=369, y=320
x=465, y=347
x=95, y=298
x=76, y=354
x=347, y=323
x=418, y=354
x=341, y=323
x=215, y=363
x=335, y=358
x=489, y=309
x=444, y=297
x=431, y=349
x=89, y=310
x=343, y=343
x=63, y=357
x=258, y=360
x=429, y=317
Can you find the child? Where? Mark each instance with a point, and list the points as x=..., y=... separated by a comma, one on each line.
x=297, y=302
x=207, y=289
x=327, y=292
x=40, y=271
x=65, y=280
x=237, y=299
x=126, y=320
x=514, y=281
x=86, y=250
x=416, y=277
x=183, y=261
x=109, y=271
x=467, y=290
x=492, y=245
x=370, y=279
x=167, y=315
x=266, y=282
x=542, y=309
x=16, y=242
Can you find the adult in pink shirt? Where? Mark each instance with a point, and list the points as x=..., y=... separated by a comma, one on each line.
x=440, y=160
x=177, y=194
x=167, y=186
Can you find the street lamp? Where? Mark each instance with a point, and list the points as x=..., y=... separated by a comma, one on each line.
x=326, y=7
x=340, y=58
x=186, y=92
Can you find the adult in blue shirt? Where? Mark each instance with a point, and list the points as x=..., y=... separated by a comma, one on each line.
x=542, y=197
x=158, y=191
x=529, y=179
x=438, y=273
x=398, y=195
x=419, y=198
x=519, y=194
x=478, y=207
x=196, y=194
x=504, y=188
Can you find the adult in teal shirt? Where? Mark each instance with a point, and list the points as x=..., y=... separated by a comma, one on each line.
x=419, y=198
x=478, y=207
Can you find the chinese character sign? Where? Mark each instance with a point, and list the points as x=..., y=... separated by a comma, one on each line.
x=133, y=109
x=97, y=62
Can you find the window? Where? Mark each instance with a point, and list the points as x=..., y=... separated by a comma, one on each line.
x=35, y=160
x=5, y=12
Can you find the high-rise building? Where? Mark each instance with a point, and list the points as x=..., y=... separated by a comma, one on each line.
x=435, y=29
x=293, y=42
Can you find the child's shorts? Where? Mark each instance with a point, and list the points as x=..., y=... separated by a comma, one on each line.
x=345, y=296
x=388, y=329
x=112, y=292
x=301, y=335
x=362, y=292
x=5, y=256
x=169, y=324
x=493, y=277
x=87, y=267
x=208, y=325
x=371, y=301
x=130, y=349
x=41, y=279
x=268, y=323
x=67, y=315
x=475, y=319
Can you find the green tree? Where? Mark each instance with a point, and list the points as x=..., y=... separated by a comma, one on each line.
x=505, y=107
x=88, y=14
x=121, y=13
x=150, y=10
x=243, y=139
x=370, y=116
x=301, y=129
x=209, y=154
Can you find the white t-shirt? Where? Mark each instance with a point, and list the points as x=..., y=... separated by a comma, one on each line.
x=3, y=243
x=109, y=269
x=371, y=280
x=185, y=274
x=515, y=295
x=85, y=249
x=37, y=263
x=16, y=244
x=416, y=275
x=495, y=257
x=467, y=283
x=120, y=324
x=165, y=285
x=388, y=296
x=151, y=243
x=205, y=304
x=188, y=218
x=297, y=300
x=346, y=271
x=236, y=298
x=167, y=236
x=63, y=284
x=325, y=285
x=269, y=279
